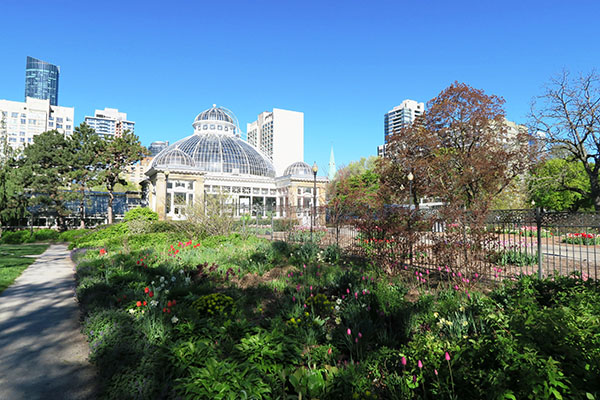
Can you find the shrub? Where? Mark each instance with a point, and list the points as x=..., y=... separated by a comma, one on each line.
x=284, y=224
x=16, y=237
x=215, y=305
x=141, y=214
x=71, y=235
x=45, y=235
x=332, y=254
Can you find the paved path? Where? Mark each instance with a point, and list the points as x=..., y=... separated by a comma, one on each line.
x=43, y=355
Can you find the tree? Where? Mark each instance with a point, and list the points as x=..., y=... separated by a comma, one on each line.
x=45, y=166
x=568, y=116
x=115, y=154
x=13, y=202
x=461, y=151
x=551, y=185
x=84, y=146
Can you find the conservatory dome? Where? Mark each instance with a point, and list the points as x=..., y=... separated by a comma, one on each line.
x=298, y=168
x=214, y=147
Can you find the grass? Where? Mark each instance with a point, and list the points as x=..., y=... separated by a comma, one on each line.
x=13, y=261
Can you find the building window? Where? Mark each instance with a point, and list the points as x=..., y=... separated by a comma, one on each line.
x=23, y=121
x=15, y=115
x=50, y=124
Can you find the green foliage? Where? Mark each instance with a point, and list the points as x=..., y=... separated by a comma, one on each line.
x=514, y=257
x=46, y=164
x=26, y=236
x=306, y=253
x=559, y=184
x=141, y=214
x=327, y=331
x=115, y=154
x=216, y=305
x=284, y=224
x=223, y=380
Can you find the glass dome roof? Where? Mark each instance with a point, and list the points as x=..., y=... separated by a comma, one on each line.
x=217, y=114
x=214, y=152
x=298, y=168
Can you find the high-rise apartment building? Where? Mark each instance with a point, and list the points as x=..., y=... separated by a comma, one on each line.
x=110, y=123
x=398, y=118
x=157, y=147
x=24, y=120
x=41, y=80
x=279, y=135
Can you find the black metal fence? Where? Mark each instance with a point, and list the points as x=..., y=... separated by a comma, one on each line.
x=514, y=242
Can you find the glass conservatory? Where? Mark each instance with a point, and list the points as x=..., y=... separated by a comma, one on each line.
x=216, y=161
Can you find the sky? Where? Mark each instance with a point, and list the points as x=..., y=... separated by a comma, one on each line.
x=343, y=64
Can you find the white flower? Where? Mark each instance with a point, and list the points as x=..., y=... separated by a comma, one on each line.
x=131, y=311
x=162, y=278
x=153, y=303
x=338, y=301
x=174, y=320
x=435, y=314
x=465, y=323
x=173, y=279
x=338, y=320
x=187, y=280
x=152, y=283
x=166, y=291
x=181, y=272
x=337, y=308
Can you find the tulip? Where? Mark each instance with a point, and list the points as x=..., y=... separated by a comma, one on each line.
x=349, y=332
x=419, y=364
x=447, y=356
x=403, y=361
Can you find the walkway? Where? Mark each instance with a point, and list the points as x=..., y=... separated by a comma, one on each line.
x=43, y=355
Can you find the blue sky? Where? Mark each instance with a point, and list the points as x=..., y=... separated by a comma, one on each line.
x=344, y=64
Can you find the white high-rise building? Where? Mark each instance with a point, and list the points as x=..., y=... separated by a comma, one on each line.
x=398, y=118
x=22, y=121
x=110, y=123
x=279, y=135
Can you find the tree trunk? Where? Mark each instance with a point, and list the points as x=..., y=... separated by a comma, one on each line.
x=110, y=205
x=82, y=209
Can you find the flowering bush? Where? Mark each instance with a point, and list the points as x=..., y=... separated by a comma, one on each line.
x=215, y=305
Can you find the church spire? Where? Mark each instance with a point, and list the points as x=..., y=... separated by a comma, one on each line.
x=332, y=169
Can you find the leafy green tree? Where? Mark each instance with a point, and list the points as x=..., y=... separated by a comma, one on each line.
x=559, y=184
x=84, y=146
x=46, y=164
x=568, y=114
x=115, y=154
x=13, y=201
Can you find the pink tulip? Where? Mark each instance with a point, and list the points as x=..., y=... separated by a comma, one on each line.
x=447, y=356
x=403, y=360
x=349, y=332
x=419, y=364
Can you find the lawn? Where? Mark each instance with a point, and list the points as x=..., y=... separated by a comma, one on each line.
x=228, y=317
x=13, y=261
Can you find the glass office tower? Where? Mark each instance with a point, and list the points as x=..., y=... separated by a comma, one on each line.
x=41, y=80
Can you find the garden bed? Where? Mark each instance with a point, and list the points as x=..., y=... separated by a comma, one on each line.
x=234, y=317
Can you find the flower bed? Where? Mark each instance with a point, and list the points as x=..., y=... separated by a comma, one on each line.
x=586, y=239
x=195, y=319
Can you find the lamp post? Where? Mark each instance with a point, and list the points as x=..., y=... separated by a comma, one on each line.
x=315, y=169
x=410, y=199
x=166, y=192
